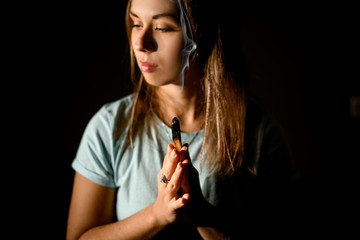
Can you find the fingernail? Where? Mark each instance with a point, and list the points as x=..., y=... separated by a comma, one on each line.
x=169, y=148
x=184, y=148
x=178, y=166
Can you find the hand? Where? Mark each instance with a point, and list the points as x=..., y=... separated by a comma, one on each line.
x=190, y=185
x=168, y=203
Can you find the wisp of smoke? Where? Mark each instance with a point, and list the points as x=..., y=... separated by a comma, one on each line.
x=189, y=43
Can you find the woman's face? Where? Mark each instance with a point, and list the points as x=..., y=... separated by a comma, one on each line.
x=157, y=39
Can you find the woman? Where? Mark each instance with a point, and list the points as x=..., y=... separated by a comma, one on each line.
x=130, y=181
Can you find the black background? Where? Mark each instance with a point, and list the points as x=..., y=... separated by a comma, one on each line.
x=68, y=59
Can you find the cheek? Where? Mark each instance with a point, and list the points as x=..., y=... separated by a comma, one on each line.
x=171, y=52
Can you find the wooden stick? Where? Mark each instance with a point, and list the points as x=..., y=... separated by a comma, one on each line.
x=176, y=134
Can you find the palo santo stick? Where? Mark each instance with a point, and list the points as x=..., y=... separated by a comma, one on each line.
x=176, y=134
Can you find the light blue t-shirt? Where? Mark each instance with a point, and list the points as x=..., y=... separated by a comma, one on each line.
x=106, y=161
x=102, y=159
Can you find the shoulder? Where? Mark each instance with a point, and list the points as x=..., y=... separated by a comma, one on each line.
x=111, y=111
x=95, y=154
x=261, y=121
x=120, y=107
x=266, y=141
x=106, y=120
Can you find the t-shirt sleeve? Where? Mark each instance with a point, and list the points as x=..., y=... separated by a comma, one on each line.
x=276, y=160
x=94, y=158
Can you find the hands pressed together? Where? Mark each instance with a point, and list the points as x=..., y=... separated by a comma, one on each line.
x=179, y=194
x=179, y=199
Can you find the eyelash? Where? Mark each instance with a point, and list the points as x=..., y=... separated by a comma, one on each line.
x=163, y=30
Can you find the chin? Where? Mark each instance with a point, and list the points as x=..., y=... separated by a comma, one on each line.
x=158, y=82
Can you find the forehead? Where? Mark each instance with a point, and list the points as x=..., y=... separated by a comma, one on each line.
x=149, y=8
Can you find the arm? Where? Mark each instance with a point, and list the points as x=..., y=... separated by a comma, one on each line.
x=209, y=233
x=91, y=214
x=92, y=207
x=211, y=224
x=208, y=220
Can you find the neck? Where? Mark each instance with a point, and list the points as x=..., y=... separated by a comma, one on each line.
x=185, y=103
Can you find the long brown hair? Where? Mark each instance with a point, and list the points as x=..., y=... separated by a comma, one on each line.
x=223, y=90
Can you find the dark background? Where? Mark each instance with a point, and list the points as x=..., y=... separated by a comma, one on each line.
x=301, y=59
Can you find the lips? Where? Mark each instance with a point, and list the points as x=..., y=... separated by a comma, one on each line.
x=147, y=67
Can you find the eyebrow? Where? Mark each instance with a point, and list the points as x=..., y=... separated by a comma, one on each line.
x=172, y=15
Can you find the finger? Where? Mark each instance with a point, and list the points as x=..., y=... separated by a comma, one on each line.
x=185, y=176
x=168, y=154
x=184, y=153
x=186, y=197
x=185, y=144
x=181, y=202
x=174, y=184
x=170, y=163
x=169, y=149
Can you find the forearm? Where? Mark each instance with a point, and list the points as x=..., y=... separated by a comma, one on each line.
x=141, y=225
x=212, y=224
x=210, y=233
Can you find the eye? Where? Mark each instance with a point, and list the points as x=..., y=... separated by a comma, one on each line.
x=136, y=26
x=166, y=29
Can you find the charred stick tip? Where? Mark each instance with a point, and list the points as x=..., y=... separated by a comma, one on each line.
x=176, y=134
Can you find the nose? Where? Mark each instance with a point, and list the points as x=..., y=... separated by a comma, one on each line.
x=144, y=41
